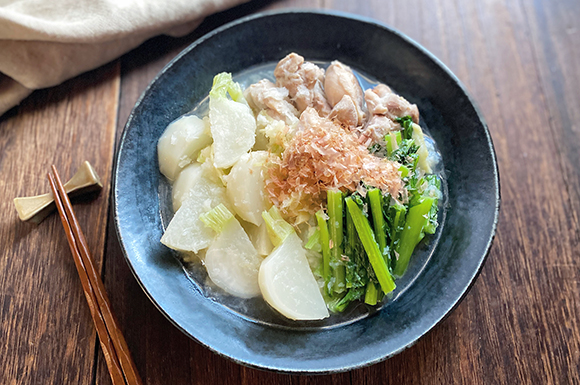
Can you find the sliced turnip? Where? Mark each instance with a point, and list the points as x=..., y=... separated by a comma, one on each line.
x=259, y=237
x=233, y=128
x=186, y=232
x=288, y=285
x=232, y=122
x=186, y=182
x=232, y=262
x=180, y=144
x=245, y=187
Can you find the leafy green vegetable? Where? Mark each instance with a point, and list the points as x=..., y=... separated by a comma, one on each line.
x=223, y=84
x=406, y=123
x=364, y=231
x=335, y=225
x=357, y=264
x=431, y=189
x=396, y=214
x=351, y=295
x=404, y=171
x=423, y=153
x=373, y=236
x=375, y=148
x=376, y=207
x=406, y=153
x=410, y=236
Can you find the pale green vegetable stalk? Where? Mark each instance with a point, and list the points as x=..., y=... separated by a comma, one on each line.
x=371, y=294
x=423, y=152
x=278, y=228
x=416, y=219
x=393, y=140
x=376, y=208
x=325, y=244
x=367, y=237
x=223, y=84
x=313, y=242
x=217, y=217
x=335, y=229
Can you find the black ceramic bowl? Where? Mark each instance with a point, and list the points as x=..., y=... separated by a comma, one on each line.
x=439, y=275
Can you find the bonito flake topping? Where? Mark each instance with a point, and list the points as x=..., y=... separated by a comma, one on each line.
x=323, y=156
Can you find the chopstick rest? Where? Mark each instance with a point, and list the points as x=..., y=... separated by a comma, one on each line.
x=117, y=356
x=35, y=209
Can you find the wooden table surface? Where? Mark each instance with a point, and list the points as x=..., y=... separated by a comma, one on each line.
x=519, y=324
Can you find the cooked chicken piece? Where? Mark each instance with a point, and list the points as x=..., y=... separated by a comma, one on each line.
x=346, y=112
x=382, y=101
x=376, y=129
x=304, y=81
x=264, y=95
x=340, y=81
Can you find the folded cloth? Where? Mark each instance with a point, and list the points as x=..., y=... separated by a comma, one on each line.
x=44, y=42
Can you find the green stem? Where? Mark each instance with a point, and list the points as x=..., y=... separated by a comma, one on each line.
x=313, y=242
x=350, y=249
x=351, y=295
x=393, y=139
x=371, y=247
x=325, y=244
x=398, y=220
x=371, y=294
x=335, y=213
x=376, y=203
x=404, y=170
x=416, y=219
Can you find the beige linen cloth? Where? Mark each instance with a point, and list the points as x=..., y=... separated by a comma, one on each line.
x=44, y=42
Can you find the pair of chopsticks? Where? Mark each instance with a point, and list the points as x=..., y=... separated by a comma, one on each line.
x=121, y=366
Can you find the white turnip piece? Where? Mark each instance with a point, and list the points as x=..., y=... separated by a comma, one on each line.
x=245, y=187
x=288, y=285
x=186, y=232
x=180, y=144
x=232, y=262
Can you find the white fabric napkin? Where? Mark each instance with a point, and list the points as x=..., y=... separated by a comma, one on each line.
x=44, y=42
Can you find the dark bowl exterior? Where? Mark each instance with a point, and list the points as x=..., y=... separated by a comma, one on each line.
x=455, y=123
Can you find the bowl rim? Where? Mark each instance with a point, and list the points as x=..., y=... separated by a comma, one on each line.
x=339, y=14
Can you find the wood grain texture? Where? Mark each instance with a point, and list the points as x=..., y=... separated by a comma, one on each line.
x=46, y=332
x=519, y=59
x=555, y=31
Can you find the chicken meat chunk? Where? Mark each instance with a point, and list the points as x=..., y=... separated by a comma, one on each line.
x=264, y=95
x=339, y=82
x=381, y=100
x=375, y=130
x=346, y=112
x=304, y=82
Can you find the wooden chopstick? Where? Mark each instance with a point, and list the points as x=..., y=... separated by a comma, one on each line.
x=117, y=355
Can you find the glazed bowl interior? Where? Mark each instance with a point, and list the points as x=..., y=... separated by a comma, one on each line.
x=250, y=333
